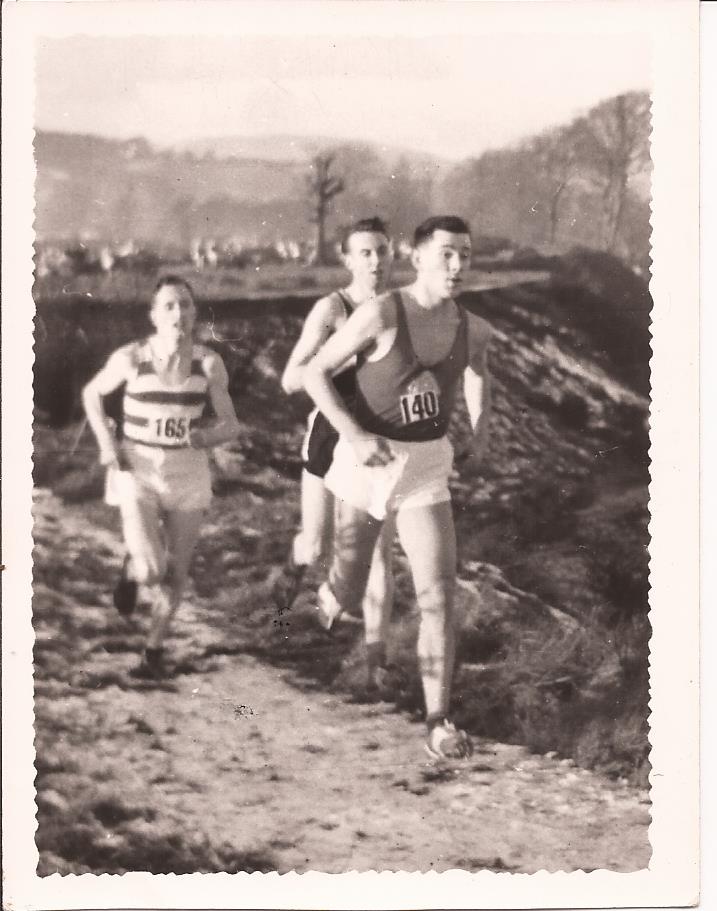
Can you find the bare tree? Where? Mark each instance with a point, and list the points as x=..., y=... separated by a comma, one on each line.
x=613, y=143
x=484, y=190
x=555, y=158
x=323, y=187
x=406, y=194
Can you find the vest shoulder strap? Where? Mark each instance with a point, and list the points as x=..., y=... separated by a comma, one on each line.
x=403, y=336
x=346, y=302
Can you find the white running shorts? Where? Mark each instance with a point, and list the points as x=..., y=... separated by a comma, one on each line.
x=417, y=476
x=176, y=479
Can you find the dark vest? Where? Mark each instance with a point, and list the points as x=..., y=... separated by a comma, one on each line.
x=345, y=381
x=400, y=398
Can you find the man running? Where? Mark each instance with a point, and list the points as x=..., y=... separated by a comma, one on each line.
x=366, y=253
x=159, y=475
x=393, y=457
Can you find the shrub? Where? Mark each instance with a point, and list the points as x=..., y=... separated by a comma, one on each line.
x=546, y=509
x=611, y=304
x=573, y=411
x=563, y=689
x=618, y=563
x=631, y=423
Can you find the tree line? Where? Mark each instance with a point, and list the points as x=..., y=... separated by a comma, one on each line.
x=582, y=183
x=586, y=182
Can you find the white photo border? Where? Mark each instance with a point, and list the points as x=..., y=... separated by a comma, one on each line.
x=672, y=27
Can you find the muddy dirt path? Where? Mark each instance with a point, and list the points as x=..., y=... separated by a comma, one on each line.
x=237, y=764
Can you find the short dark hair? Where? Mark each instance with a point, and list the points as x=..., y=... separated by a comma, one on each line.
x=173, y=281
x=427, y=228
x=375, y=224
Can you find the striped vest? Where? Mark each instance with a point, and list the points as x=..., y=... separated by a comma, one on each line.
x=159, y=414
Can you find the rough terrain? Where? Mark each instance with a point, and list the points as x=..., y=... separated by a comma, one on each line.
x=235, y=763
x=262, y=749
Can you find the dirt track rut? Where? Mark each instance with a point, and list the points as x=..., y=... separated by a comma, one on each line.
x=235, y=751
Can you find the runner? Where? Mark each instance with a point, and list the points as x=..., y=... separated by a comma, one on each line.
x=393, y=456
x=158, y=475
x=366, y=253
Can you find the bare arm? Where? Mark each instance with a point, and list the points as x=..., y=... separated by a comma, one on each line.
x=116, y=371
x=477, y=384
x=320, y=323
x=224, y=426
x=360, y=332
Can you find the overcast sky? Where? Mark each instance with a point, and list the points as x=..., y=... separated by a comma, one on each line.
x=452, y=96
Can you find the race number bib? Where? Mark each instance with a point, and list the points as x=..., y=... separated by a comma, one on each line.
x=171, y=431
x=422, y=401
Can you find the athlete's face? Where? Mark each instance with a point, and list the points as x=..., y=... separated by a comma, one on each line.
x=173, y=312
x=368, y=259
x=441, y=261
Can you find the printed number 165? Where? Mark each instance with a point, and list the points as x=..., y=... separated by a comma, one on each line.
x=172, y=428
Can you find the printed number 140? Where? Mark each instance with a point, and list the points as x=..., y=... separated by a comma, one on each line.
x=419, y=406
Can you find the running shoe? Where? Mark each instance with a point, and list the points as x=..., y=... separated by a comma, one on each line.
x=125, y=593
x=287, y=585
x=446, y=741
x=328, y=608
x=152, y=666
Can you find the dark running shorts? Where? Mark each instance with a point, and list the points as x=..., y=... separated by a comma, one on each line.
x=321, y=440
x=320, y=445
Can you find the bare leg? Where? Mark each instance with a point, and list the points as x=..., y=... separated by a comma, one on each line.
x=354, y=541
x=378, y=600
x=427, y=536
x=183, y=528
x=144, y=538
x=317, y=513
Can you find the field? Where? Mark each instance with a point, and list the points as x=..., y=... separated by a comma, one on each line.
x=266, y=282
x=265, y=721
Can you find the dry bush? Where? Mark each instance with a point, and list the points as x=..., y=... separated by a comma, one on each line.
x=630, y=422
x=565, y=690
x=573, y=411
x=545, y=510
x=82, y=846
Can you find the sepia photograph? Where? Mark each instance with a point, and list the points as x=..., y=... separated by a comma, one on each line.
x=341, y=441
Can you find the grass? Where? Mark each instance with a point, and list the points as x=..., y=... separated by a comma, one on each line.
x=85, y=847
x=268, y=282
x=566, y=528
x=579, y=689
x=221, y=283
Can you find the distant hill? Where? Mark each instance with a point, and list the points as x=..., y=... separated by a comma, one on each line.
x=111, y=189
x=300, y=149
x=251, y=189
x=284, y=148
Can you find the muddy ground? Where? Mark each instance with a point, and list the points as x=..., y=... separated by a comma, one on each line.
x=262, y=750
x=246, y=758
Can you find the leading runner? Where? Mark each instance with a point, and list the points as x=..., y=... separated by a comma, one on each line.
x=412, y=347
x=159, y=475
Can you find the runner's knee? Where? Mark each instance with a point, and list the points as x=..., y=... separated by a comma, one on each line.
x=348, y=581
x=176, y=573
x=351, y=564
x=379, y=589
x=309, y=549
x=437, y=599
x=148, y=569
